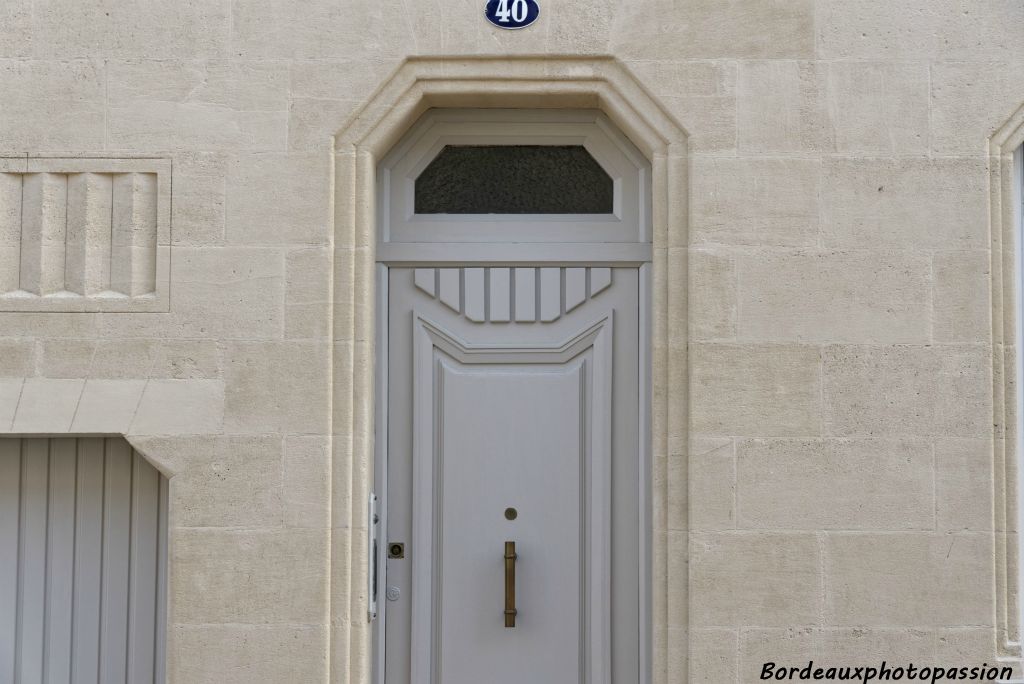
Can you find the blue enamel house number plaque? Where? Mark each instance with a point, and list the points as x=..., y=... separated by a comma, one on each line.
x=512, y=14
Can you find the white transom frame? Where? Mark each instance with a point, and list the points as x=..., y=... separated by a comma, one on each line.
x=629, y=170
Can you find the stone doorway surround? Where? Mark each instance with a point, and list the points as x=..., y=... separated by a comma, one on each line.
x=506, y=82
x=1005, y=202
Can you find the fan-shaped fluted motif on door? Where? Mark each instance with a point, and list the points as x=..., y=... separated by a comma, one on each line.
x=523, y=295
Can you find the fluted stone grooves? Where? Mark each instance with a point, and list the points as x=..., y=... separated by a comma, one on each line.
x=86, y=234
x=133, y=234
x=79, y=239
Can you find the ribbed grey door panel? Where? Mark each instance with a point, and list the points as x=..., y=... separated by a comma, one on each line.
x=83, y=554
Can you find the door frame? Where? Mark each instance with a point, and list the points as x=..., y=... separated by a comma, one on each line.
x=528, y=81
x=564, y=244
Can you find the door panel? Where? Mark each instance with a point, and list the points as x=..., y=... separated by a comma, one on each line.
x=513, y=388
x=510, y=439
x=83, y=554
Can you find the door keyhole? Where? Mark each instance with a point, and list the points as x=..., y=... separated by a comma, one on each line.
x=511, y=514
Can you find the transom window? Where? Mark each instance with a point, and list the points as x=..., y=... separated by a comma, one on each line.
x=483, y=182
x=514, y=179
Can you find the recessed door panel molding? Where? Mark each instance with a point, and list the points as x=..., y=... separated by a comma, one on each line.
x=80, y=234
x=83, y=555
x=493, y=430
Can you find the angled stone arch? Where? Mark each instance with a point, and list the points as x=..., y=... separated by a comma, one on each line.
x=1003, y=216
x=417, y=85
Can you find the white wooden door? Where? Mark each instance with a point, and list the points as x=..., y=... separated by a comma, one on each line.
x=512, y=417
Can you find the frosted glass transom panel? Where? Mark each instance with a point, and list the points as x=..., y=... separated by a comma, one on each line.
x=514, y=179
x=490, y=183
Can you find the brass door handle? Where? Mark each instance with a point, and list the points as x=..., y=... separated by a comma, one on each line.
x=510, y=584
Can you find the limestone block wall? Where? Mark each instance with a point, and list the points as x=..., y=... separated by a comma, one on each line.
x=835, y=488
